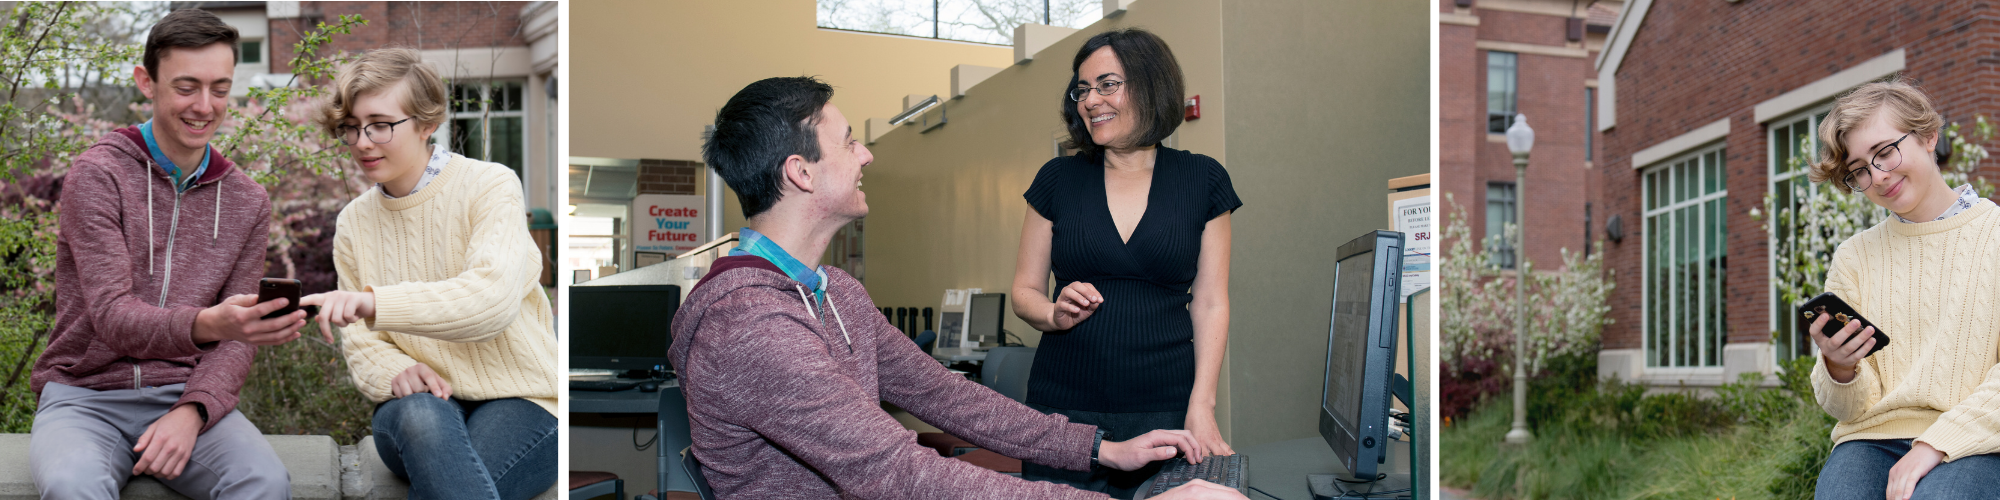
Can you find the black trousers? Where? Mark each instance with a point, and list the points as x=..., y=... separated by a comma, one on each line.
x=1117, y=427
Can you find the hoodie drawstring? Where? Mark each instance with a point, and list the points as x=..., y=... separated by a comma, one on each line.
x=836, y=314
x=148, y=185
x=216, y=232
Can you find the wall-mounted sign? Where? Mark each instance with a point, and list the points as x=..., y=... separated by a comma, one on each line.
x=668, y=223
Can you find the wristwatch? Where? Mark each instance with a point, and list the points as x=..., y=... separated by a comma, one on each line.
x=1096, y=445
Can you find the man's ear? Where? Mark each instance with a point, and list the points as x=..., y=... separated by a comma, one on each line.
x=143, y=79
x=798, y=174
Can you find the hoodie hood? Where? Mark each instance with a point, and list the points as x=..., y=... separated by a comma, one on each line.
x=135, y=147
x=731, y=274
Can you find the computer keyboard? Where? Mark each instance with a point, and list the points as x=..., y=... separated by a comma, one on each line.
x=1223, y=470
x=616, y=384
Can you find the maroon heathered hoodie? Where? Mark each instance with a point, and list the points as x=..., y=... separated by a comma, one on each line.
x=784, y=398
x=136, y=261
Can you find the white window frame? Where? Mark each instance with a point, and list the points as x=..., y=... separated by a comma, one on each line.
x=1780, y=313
x=1699, y=203
x=443, y=133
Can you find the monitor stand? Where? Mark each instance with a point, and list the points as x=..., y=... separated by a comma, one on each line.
x=1328, y=486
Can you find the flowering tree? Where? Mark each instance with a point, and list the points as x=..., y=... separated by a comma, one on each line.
x=1567, y=310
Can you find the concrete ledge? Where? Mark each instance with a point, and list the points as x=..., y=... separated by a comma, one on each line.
x=319, y=469
x=309, y=459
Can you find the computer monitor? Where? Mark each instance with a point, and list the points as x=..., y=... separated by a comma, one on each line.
x=1361, y=350
x=983, y=317
x=621, y=327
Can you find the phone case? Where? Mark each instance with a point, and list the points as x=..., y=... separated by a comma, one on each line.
x=269, y=289
x=1828, y=303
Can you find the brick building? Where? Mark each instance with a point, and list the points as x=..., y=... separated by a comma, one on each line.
x=1499, y=59
x=1700, y=105
x=499, y=58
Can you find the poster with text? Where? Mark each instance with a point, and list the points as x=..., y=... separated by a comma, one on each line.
x=1413, y=219
x=668, y=223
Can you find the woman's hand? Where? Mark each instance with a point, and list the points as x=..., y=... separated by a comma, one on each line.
x=1197, y=489
x=1206, y=433
x=419, y=378
x=1914, y=465
x=340, y=308
x=1076, y=303
x=1843, y=351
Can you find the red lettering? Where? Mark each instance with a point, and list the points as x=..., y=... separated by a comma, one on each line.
x=658, y=211
x=652, y=235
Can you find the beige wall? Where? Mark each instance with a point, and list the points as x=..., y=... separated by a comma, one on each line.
x=647, y=75
x=1330, y=100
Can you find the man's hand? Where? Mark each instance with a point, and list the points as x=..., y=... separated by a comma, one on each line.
x=1914, y=465
x=167, y=443
x=240, y=318
x=1843, y=351
x=340, y=308
x=1206, y=433
x=1201, y=490
x=1076, y=303
x=1152, y=447
x=419, y=378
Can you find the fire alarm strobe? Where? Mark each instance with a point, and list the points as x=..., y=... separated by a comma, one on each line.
x=1194, y=107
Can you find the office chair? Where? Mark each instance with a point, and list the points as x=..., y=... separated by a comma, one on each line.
x=1006, y=371
x=676, y=435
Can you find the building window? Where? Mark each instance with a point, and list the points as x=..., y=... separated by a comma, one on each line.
x=487, y=122
x=250, y=52
x=1501, y=70
x=983, y=21
x=1791, y=139
x=1499, y=215
x=1686, y=261
x=1590, y=125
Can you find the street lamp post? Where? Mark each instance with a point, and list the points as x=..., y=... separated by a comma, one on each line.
x=1520, y=139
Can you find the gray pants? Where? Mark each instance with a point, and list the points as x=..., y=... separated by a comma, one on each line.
x=83, y=439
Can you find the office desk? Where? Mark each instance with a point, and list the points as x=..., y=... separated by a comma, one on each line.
x=947, y=356
x=625, y=401
x=1281, y=468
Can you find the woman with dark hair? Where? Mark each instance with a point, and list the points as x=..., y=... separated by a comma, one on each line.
x=1138, y=237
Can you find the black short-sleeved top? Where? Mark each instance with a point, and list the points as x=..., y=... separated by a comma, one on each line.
x=1136, y=353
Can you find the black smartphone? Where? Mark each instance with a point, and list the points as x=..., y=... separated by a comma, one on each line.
x=1828, y=303
x=269, y=289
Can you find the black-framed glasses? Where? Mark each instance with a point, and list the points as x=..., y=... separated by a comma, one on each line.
x=1106, y=88
x=1885, y=159
x=378, y=132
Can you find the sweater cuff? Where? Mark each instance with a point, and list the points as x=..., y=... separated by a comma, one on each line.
x=181, y=322
x=1955, y=441
x=393, y=311
x=1847, y=400
x=1073, y=449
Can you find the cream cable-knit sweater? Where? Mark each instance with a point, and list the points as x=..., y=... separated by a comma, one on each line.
x=1934, y=288
x=454, y=275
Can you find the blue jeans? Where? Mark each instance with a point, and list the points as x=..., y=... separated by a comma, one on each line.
x=1860, y=470
x=1117, y=427
x=504, y=448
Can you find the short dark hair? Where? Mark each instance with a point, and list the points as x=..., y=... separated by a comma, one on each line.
x=1152, y=80
x=758, y=128
x=187, y=28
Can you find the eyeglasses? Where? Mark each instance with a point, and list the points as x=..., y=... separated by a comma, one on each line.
x=378, y=132
x=1108, y=88
x=1885, y=159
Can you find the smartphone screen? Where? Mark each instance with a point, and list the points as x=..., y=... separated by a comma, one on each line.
x=269, y=289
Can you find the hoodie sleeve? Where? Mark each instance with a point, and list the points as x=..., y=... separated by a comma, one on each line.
x=914, y=381
x=761, y=367
x=216, y=381
x=479, y=303
x=372, y=359
x=90, y=222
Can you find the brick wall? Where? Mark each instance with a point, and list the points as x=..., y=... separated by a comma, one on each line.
x=414, y=25
x=1551, y=92
x=667, y=176
x=1697, y=62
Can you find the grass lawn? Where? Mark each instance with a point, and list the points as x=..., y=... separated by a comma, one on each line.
x=1749, y=460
